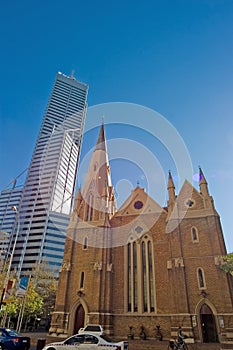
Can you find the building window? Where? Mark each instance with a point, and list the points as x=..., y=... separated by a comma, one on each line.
x=140, y=276
x=151, y=283
x=86, y=211
x=201, y=278
x=189, y=203
x=85, y=243
x=129, y=274
x=135, y=278
x=144, y=279
x=138, y=205
x=89, y=208
x=194, y=234
x=81, y=286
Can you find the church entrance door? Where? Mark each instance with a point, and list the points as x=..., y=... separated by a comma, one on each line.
x=79, y=319
x=208, y=325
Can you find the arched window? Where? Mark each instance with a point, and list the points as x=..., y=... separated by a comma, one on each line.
x=194, y=233
x=135, y=278
x=201, y=278
x=129, y=275
x=85, y=243
x=81, y=285
x=89, y=208
x=144, y=278
x=151, y=284
x=140, y=276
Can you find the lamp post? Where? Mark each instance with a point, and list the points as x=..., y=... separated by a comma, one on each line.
x=11, y=258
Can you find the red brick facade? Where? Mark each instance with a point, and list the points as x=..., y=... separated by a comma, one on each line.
x=144, y=265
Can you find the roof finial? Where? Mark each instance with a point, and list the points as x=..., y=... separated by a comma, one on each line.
x=72, y=74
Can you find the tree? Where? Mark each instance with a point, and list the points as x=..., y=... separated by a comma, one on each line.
x=39, y=300
x=30, y=305
x=227, y=264
x=45, y=285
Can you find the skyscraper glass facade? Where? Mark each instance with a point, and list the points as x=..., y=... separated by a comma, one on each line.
x=48, y=192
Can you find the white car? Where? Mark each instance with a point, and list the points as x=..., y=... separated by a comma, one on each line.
x=87, y=341
x=92, y=328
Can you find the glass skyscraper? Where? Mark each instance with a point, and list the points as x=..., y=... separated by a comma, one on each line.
x=50, y=183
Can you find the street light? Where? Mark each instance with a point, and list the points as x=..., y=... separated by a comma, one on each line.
x=11, y=258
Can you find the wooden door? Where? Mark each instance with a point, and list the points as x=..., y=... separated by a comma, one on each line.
x=79, y=318
x=209, y=333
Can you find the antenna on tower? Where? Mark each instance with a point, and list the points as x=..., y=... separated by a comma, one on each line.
x=72, y=74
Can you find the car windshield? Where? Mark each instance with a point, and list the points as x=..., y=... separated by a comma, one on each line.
x=11, y=332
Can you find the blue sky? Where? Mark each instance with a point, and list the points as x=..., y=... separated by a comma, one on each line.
x=174, y=57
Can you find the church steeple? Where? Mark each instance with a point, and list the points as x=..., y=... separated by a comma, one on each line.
x=171, y=193
x=101, y=141
x=98, y=190
x=203, y=184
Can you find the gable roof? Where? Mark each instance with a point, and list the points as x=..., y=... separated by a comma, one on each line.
x=138, y=203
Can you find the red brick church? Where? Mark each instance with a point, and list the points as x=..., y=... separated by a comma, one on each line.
x=143, y=266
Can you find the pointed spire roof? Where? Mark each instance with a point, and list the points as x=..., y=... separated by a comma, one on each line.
x=203, y=183
x=171, y=193
x=101, y=141
x=170, y=183
x=97, y=187
x=201, y=177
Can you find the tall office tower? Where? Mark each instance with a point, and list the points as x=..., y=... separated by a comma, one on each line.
x=50, y=182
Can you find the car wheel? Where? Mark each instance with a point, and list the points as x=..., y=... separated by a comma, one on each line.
x=48, y=349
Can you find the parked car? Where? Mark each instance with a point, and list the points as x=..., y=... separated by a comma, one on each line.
x=92, y=328
x=87, y=341
x=10, y=340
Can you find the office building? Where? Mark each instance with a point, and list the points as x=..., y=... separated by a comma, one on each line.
x=48, y=192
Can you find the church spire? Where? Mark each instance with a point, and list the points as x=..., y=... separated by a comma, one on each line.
x=203, y=184
x=171, y=187
x=101, y=141
x=98, y=191
x=171, y=192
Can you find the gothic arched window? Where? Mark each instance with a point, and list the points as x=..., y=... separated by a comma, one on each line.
x=89, y=208
x=85, y=243
x=140, y=276
x=201, y=278
x=81, y=285
x=194, y=233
